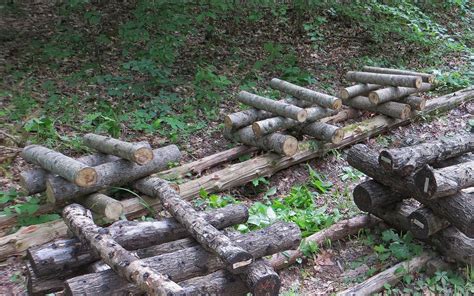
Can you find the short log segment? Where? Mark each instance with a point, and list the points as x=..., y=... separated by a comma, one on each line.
x=60, y=164
x=387, y=94
x=114, y=173
x=392, y=109
x=324, y=132
x=406, y=160
x=302, y=93
x=415, y=102
x=361, y=89
x=430, y=78
x=278, y=108
x=140, y=153
x=370, y=194
x=424, y=223
x=126, y=265
x=103, y=205
x=435, y=183
x=385, y=79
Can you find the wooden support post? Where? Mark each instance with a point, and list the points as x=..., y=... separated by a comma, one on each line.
x=392, y=109
x=424, y=223
x=103, y=205
x=385, y=79
x=361, y=89
x=387, y=94
x=426, y=77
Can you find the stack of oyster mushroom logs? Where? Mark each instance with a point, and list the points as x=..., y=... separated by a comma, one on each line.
x=427, y=189
x=263, y=125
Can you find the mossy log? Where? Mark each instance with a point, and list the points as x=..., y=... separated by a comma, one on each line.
x=387, y=94
x=392, y=109
x=430, y=78
x=103, y=205
x=385, y=79
x=424, y=223
x=361, y=89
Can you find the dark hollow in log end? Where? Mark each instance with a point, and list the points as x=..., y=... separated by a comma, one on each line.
x=86, y=177
x=290, y=146
x=143, y=155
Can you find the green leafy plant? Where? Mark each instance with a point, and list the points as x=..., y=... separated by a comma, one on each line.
x=350, y=173
x=318, y=182
x=402, y=248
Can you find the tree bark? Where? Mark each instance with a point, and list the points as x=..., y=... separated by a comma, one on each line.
x=424, y=223
x=370, y=194
x=385, y=79
x=126, y=265
x=39, y=286
x=426, y=77
x=406, y=160
x=415, y=102
x=384, y=95
x=436, y=183
x=343, y=115
x=392, y=109
x=324, y=132
x=323, y=100
x=66, y=167
x=278, y=108
x=60, y=191
x=103, y=205
x=453, y=161
x=140, y=153
x=361, y=89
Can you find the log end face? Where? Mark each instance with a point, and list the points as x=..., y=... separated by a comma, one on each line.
x=86, y=177
x=143, y=155
x=302, y=116
x=425, y=182
x=239, y=260
x=422, y=104
x=362, y=199
x=385, y=160
x=337, y=104
x=114, y=211
x=344, y=94
x=374, y=98
x=418, y=82
x=290, y=146
x=228, y=122
x=418, y=225
x=268, y=284
x=257, y=130
x=50, y=196
x=405, y=112
x=338, y=136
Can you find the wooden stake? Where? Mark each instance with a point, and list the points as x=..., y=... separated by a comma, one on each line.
x=426, y=77
x=385, y=79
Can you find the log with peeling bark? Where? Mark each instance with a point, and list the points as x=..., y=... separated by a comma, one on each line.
x=124, y=263
x=392, y=93
x=392, y=109
x=457, y=209
x=425, y=76
x=103, y=205
x=406, y=160
x=436, y=183
x=424, y=223
x=361, y=89
x=370, y=194
x=114, y=173
x=275, y=107
x=342, y=115
x=309, y=95
x=60, y=164
x=385, y=79
x=415, y=102
x=324, y=132
x=140, y=153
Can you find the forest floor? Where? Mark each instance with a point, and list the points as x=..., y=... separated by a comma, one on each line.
x=57, y=85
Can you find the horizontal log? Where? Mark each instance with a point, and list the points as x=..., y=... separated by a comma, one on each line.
x=424, y=223
x=370, y=194
x=415, y=102
x=324, y=132
x=103, y=205
x=385, y=79
x=343, y=115
x=426, y=77
x=392, y=109
x=361, y=89
x=387, y=94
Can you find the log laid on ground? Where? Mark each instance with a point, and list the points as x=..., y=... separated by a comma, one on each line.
x=436, y=183
x=426, y=77
x=457, y=209
x=392, y=109
x=60, y=164
x=415, y=102
x=361, y=89
x=383, y=95
x=140, y=153
x=406, y=160
x=39, y=286
x=324, y=132
x=103, y=205
x=385, y=79
x=370, y=194
x=424, y=223
x=278, y=108
x=114, y=173
x=309, y=95
x=279, y=143
x=342, y=115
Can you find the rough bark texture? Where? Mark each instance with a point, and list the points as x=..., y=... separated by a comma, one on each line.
x=385, y=79
x=370, y=194
x=426, y=77
x=424, y=223
x=406, y=160
x=415, y=102
x=383, y=95
x=278, y=108
x=220, y=283
x=60, y=164
x=361, y=89
x=38, y=286
x=392, y=109
x=458, y=209
x=126, y=265
x=112, y=174
x=140, y=153
x=436, y=183
x=453, y=161
x=302, y=93
x=324, y=132
x=343, y=115
x=103, y=205
x=262, y=279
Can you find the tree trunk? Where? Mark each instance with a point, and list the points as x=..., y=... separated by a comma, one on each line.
x=302, y=93
x=126, y=265
x=436, y=183
x=324, y=132
x=426, y=77
x=424, y=223
x=66, y=167
x=392, y=109
x=416, y=103
x=387, y=94
x=406, y=160
x=385, y=79
x=278, y=108
x=59, y=190
x=370, y=194
x=140, y=153
x=361, y=89
x=457, y=209
x=103, y=205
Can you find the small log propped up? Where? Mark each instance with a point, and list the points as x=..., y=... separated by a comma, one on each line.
x=361, y=89
x=385, y=79
x=383, y=95
x=426, y=77
x=392, y=109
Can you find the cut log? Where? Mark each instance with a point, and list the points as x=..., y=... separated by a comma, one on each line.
x=279, y=143
x=343, y=115
x=60, y=191
x=262, y=279
x=426, y=77
x=324, y=132
x=453, y=161
x=406, y=160
x=415, y=102
x=370, y=194
x=436, y=183
x=385, y=79
x=323, y=100
x=126, y=265
x=424, y=223
x=457, y=209
x=39, y=286
x=103, y=205
x=60, y=164
x=392, y=109
x=140, y=153
x=68, y=254
x=383, y=95
x=361, y=89
x=278, y=108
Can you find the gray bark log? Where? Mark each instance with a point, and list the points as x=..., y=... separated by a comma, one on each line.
x=394, y=93
x=426, y=77
x=415, y=102
x=370, y=194
x=102, y=205
x=324, y=132
x=385, y=79
x=424, y=223
x=361, y=89
x=392, y=109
